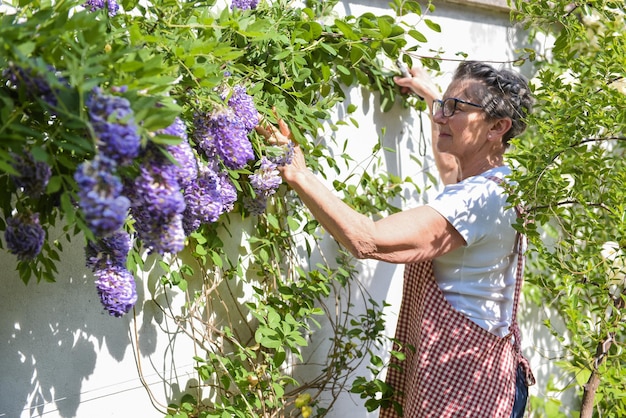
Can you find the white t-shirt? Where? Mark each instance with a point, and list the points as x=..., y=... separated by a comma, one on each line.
x=478, y=279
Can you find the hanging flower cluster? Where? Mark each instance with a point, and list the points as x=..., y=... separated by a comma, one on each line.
x=222, y=137
x=33, y=175
x=24, y=236
x=113, y=122
x=100, y=195
x=103, y=202
x=223, y=134
x=116, y=288
x=242, y=104
x=211, y=195
x=244, y=4
x=157, y=199
x=110, y=5
x=264, y=182
x=266, y=179
x=115, y=284
x=33, y=84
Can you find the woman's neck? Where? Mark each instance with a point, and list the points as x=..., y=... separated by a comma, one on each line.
x=480, y=166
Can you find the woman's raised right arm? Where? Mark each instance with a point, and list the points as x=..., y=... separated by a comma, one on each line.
x=421, y=84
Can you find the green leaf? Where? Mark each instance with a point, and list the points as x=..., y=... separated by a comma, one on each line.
x=346, y=30
x=432, y=25
x=384, y=26
x=279, y=358
x=343, y=70
x=417, y=35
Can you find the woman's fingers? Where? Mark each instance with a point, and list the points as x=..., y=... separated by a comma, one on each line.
x=284, y=129
x=266, y=131
x=273, y=136
x=282, y=126
x=282, y=136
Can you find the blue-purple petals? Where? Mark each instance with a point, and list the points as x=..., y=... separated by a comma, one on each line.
x=266, y=178
x=244, y=4
x=221, y=133
x=242, y=104
x=111, y=6
x=108, y=251
x=185, y=166
x=24, y=236
x=33, y=175
x=158, y=203
x=113, y=123
x=100, y=196
x=116, y=288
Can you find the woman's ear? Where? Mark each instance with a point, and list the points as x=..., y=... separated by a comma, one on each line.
x=499, y=127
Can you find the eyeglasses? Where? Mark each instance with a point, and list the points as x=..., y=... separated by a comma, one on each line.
x=448, y=106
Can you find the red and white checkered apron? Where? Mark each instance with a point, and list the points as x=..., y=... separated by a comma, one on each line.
x=458, y=369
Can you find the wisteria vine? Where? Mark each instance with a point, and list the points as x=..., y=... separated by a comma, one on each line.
x=176, y=188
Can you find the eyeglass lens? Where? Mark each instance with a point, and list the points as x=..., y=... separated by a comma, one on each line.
x=448, y=106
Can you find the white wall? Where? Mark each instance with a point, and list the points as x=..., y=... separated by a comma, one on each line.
x=63, y=357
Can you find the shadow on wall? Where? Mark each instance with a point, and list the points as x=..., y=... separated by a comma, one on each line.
x=63, y=355
x=51, y=335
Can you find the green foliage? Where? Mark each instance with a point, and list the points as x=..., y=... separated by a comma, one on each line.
x=572, y=179
x=174, y=59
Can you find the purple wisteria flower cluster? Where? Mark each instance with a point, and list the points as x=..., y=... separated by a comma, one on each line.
x=211, y=195
x=111, y=6
x=100, y=196
x=159, y=193
x=222, y=137
x=24, y=236
x=266, y=179
x=242, y=104
x=264, y=182
x=114, y=282
x=113, y=123
x=223, y=133
x=158, y=204
x=244, y=4
x=116, y=288
x=35, y=85
x=33, y=175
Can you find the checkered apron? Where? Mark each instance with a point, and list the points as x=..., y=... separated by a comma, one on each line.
x=453, y=367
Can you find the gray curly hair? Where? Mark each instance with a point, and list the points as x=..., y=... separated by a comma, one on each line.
x=505, y=94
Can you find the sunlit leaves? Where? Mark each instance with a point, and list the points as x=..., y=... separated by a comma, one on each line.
x=571, y=176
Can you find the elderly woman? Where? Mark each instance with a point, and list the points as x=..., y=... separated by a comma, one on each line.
x=457, y=322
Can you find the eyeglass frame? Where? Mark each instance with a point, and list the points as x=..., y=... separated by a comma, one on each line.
x=441, y=105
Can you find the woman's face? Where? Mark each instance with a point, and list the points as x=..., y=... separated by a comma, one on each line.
x=465, y=132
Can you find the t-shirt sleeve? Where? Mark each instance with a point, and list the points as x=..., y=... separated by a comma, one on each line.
x=473, y=208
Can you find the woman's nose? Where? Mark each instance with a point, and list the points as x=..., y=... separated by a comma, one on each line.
x=438, y=117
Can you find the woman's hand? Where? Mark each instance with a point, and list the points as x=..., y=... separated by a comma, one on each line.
x=420, y=83
x=283, y=136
